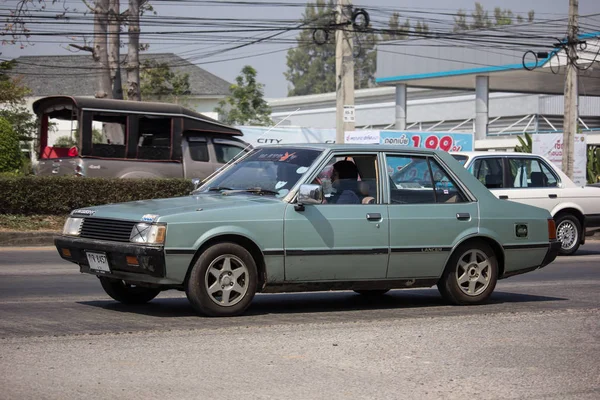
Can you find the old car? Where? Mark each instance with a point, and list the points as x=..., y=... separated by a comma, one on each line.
x=273, y=220
x=532, y=179
x=132, y=139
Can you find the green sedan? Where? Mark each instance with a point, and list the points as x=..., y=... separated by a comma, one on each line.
x=313, y=217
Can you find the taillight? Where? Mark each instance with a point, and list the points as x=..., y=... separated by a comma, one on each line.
x=551, y=229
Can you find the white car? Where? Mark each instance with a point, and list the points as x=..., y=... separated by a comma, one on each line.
x=534, y=180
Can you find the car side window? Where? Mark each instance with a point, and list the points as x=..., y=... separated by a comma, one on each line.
x=419, y=180
x=410, y=180
x=226, y=152
x=198, y=148
x=488, y=171
x=349, y=179
x=531, y=173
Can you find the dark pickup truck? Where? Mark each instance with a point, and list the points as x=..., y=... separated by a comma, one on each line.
x=129, y=139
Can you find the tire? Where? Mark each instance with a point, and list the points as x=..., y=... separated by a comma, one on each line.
x=372, y=292
x=125, y=293
x=568, y=231
x=470, y=275
x=223, y=281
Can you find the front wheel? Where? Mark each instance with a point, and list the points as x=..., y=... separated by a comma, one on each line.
x=568, y=232
x=471, y=274
x=223, y=281
x=125, y=293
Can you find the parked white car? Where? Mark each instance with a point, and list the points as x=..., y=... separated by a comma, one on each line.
x=534, y=180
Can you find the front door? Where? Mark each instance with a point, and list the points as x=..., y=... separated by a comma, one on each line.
x=347, y=237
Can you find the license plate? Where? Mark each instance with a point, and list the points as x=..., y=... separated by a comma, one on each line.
x=98, y=261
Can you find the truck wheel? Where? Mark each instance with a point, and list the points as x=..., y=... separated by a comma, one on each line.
x=568, y=231
x=126, y=293
x=223, y=281
x=470, y=275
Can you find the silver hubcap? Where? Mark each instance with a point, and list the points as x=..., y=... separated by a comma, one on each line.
x=474, y=272
x=226, y=280
x=567, y=234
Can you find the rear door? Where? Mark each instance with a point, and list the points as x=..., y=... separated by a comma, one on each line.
x=428, y=215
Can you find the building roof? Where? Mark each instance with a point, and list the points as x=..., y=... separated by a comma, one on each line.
x=75, y=75
x=512, y=67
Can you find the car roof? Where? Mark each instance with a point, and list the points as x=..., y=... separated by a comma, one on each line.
x=472, y=154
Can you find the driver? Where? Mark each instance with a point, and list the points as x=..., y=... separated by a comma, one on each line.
x=344, y=179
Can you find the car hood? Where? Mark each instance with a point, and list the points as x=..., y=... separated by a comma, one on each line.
x=153, y=210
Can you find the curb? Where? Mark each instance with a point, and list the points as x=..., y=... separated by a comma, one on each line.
x=33, y=239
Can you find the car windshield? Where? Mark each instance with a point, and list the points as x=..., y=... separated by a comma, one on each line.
x=265, y=171
x=460, y=158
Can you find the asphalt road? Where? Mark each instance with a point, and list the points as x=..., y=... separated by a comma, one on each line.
x=62, y=337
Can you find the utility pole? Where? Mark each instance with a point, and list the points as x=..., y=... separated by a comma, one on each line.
x=344, y=71
x=571, y=92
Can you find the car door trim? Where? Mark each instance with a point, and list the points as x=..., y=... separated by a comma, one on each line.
x=292, y=253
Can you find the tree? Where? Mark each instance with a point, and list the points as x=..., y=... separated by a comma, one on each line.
x=107, y=40
x=245, y=104
x=160, y=83
x=396, y=31
x=11, y=157
x=480, y=18
x=14, y=110
x=525, y=145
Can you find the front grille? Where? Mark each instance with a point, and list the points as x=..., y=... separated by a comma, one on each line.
x=106, y=229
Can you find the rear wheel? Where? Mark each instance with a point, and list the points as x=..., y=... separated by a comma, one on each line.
x=126, y=293
x=471, y=274
x=223, y=281
x=568, y=232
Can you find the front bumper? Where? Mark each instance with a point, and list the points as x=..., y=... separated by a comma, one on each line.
x=150, y=259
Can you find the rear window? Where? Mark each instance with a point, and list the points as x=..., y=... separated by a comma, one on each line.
x=460, y=158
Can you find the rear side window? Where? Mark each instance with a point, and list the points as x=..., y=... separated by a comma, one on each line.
x=531, y=173
x=226, y=151
x=198, y=148
x=488, y=171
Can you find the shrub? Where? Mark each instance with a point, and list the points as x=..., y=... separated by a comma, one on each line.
x=11, y=157
x=59, y=195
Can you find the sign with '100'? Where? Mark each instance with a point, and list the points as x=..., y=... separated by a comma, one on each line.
x=447, y=141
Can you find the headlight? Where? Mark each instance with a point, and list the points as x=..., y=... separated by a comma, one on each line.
x=72, y=226
x=148, y=233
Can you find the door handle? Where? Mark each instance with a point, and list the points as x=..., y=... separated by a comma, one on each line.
x=503, y=197
x=463, y=216
x=552, y=195
x=374, y=217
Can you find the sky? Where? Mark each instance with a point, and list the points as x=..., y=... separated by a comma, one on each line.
x=176, y=25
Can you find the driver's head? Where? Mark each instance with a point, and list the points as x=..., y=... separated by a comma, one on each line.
x=345, y=170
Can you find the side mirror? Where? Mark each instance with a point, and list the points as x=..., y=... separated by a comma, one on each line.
x=309, y=194
x=196, y=183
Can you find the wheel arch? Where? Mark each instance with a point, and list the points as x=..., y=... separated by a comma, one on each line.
x=240, y=240
x=495, y=246
x=569, y=209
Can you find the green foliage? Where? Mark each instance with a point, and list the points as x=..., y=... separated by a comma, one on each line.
x=12, y=97
x=480, y=18
x=158, y=82
x=396, y=31
x=65, y=141
x=525, y=145
x=593, y=164
x=59, y=195
x=245, y=105
x=311, y=67
x=11, y=157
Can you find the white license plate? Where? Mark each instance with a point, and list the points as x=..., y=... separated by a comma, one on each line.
x=98, y=261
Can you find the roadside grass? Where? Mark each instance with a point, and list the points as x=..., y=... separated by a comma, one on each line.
x=28, y=223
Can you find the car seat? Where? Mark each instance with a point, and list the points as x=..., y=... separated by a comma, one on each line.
x=539, y=179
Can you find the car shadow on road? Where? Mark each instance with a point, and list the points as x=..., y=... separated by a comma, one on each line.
x=330, y=302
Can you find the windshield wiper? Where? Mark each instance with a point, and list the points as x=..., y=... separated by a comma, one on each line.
x=260, y=190
x=218, y=188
